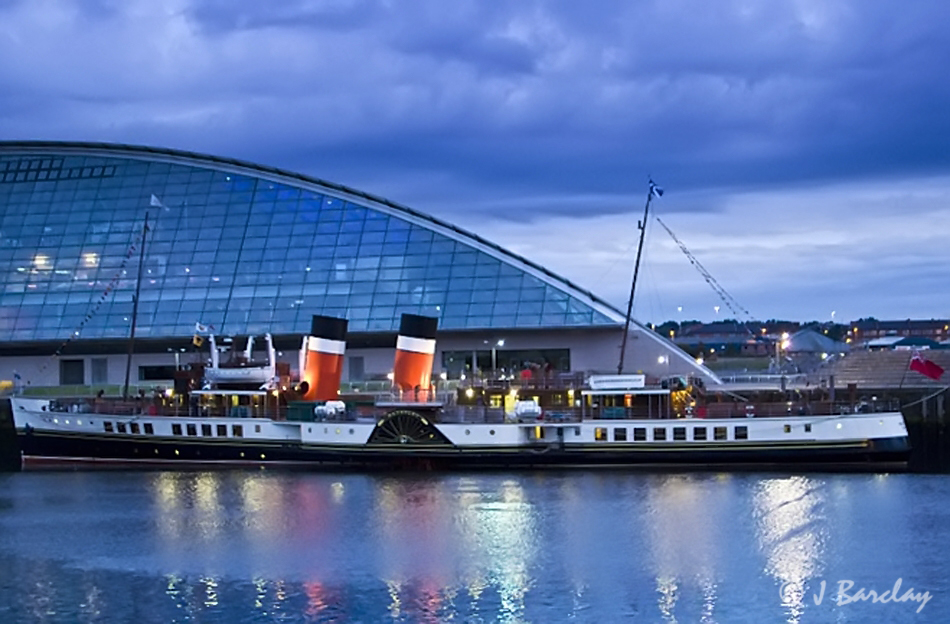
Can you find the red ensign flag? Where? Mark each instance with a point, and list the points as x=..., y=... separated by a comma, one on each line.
x=925, y=367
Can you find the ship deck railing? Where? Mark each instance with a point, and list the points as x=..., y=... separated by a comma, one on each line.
x=451, y=412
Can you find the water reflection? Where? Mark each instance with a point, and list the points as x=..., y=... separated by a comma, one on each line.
x=261, y=547
x=687, y=528
x=790, y=529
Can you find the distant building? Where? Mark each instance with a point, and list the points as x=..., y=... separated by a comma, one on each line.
x=862, y=332
x=724, y=337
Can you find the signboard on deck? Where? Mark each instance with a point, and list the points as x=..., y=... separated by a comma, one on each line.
x=617, y=382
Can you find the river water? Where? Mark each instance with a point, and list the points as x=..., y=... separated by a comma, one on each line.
x=611, y=546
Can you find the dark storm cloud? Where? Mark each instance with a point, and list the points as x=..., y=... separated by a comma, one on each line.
x=566, y=97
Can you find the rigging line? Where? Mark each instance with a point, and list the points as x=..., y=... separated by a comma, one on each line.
x=728, y=299
x=605, y=273
x=111, y=287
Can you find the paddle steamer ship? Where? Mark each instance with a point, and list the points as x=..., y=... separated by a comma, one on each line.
x=256, y=414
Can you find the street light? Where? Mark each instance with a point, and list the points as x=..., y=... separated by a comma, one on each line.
x=494, y=362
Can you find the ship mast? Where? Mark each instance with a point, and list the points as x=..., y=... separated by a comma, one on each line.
x=653, y=190
x=135, y=309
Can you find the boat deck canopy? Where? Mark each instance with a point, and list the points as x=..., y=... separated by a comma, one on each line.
x=652, y=391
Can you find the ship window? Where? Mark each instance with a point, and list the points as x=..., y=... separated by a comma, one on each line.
x=134, y=428
x=679, y=433
x=600, y=433
x=787, y=428
x=107, y=426
x=176, y=429
x=720, y=433
x=237, y=431
x=659, y=433
x=699, y=433
x=120, y=427
x=192, y=429
x=639, y=434
x=222, y=431
x=206, y=430
x=149, y=429
x=620, y=434
x=257, y=429
x=808, y=428
x=742, y=433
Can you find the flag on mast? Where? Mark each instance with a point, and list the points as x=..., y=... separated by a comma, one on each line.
x=925, y=367
x=655, y=190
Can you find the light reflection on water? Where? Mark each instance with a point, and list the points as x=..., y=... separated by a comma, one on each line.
x=588, y=546
x=791, y=531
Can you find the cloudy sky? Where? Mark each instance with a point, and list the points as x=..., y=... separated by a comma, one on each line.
x=804, y=145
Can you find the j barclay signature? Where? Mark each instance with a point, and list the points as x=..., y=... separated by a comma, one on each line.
x=845, y=595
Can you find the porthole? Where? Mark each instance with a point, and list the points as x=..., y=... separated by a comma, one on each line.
x=467, y=432
x=491, y=432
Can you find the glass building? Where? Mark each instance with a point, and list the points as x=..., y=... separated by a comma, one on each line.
x=243, y=248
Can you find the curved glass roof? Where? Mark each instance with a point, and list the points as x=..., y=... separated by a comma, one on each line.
x=243, y=248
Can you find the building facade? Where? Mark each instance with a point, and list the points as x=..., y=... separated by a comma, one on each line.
x=246, y=250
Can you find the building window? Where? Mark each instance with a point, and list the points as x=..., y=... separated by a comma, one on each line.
x=156, y=373
x=149, y=430
x=100, y=370
x=719, y=433
x=176, y=429
x=639, y=434
x=222, y=431
x=742, y=433
x=679, y=433
x=659, y=434
x=237, y=431
x=206, y=430
x=600, y=433
x=72, y=373
x=192, y=429
x=356, y=367
x=699, y=433
x=620, y=434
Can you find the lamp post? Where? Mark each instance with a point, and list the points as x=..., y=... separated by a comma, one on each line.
x=494, y=359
